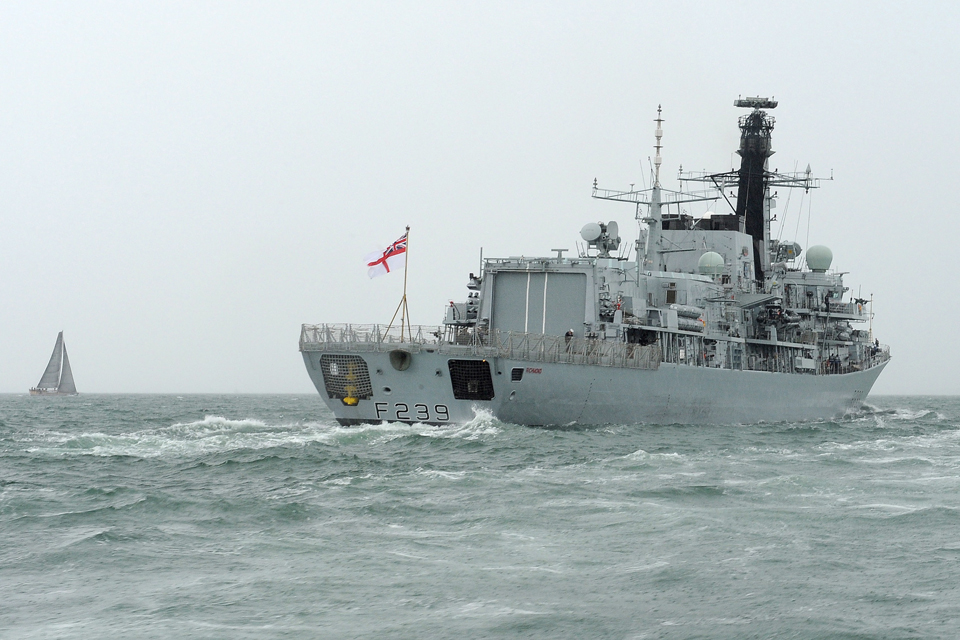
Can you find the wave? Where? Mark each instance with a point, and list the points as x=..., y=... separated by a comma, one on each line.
x=212, y=434
x=887, y=444
x=218, y=434
x=929, y=514
x=899, y=414
x=482, y=425
x=642, y=456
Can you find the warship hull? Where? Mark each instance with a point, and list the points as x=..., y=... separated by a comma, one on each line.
x=714, y=321
x=567, y=394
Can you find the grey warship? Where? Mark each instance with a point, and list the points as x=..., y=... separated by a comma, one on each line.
x=713, y=321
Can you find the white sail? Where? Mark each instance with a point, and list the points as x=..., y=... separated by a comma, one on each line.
x=66, y=376
x=51, y=377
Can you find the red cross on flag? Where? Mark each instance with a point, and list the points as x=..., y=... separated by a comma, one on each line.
x=391, y=258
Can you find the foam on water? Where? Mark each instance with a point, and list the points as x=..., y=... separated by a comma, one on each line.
x=212, y=434
x=258, y=517
x=217, y=434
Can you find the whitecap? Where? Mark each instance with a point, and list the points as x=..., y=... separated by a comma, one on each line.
x=445, y=475
x=640, y=568
x=211, y=435
x=884, y=507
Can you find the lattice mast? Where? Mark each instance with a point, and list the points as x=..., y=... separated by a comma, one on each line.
x=654, y=199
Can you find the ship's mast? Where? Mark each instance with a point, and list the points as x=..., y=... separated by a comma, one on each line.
x=658, y=134
x=654, y=220
x=653, y=199
x=752, y=205
x=753, y=183
x=754, y=180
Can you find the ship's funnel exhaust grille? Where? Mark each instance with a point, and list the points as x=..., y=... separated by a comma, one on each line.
x=346, y=376
x=471, y=379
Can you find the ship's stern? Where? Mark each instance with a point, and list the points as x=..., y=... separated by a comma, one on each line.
x=364, y=377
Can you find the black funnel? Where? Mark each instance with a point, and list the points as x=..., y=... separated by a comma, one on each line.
x=755, y=148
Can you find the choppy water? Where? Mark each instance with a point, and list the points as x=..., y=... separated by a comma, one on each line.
x=258, y=517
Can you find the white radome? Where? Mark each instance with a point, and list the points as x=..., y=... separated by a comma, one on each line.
x=710, y=264
x=819, y=258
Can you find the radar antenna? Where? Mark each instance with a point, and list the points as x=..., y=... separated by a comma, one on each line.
x=654, y=199
x=752, y=182
x=602, y=237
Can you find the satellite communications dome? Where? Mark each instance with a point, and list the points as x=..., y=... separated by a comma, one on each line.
x=710, y=264
x=819, y=258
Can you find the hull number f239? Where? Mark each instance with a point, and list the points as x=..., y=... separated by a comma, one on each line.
x=416, y=412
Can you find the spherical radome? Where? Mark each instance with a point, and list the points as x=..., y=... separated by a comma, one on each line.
x=710, y=264
x=819, y=257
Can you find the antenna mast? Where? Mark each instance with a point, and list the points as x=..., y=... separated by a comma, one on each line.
x=656, y=158
x=654, y=199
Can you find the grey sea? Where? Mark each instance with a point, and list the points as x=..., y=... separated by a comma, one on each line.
x=125, y=516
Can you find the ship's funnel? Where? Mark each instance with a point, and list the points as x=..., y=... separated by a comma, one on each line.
x=755, y=148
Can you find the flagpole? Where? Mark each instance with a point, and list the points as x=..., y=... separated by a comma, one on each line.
x=403, y=300
x=402, y=307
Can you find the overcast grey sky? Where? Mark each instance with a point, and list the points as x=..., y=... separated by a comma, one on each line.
x=184, y=184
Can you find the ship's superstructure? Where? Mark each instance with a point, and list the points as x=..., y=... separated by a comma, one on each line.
x=714, y=321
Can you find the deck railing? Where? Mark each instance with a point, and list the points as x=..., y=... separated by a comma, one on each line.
x=529, y=347
x=875, y=357
x=537, y=347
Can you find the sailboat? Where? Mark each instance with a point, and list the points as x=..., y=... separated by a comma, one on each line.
x=58, y=377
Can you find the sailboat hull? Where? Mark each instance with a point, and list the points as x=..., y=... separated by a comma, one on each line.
x=50, y=392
